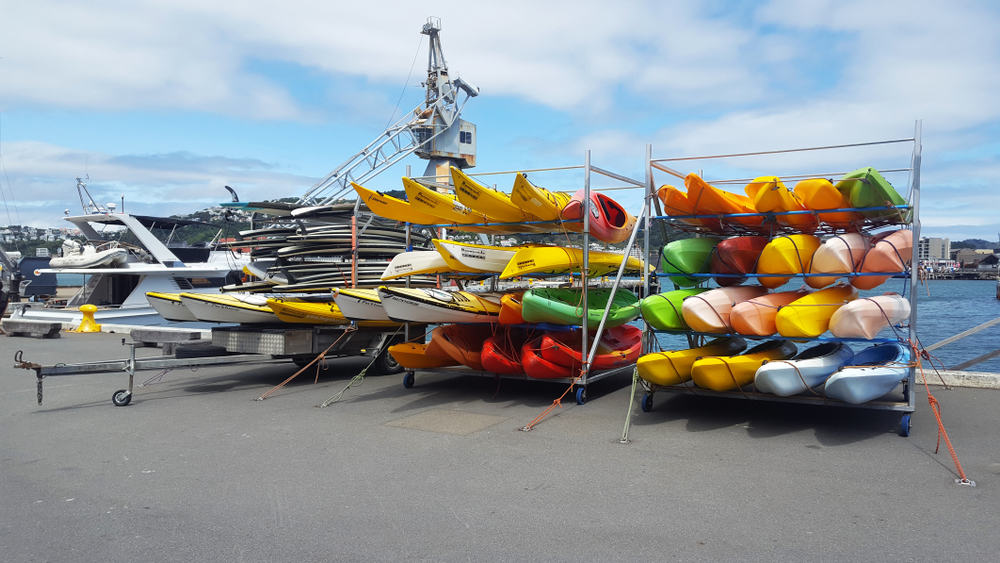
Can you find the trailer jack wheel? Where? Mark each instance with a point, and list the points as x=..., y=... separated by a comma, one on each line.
x=121, y=398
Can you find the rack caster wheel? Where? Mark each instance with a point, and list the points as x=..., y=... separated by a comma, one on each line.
x=121, y=398
x=408, y=380
x=581, y=395
x=904, y=425
x=647, y=402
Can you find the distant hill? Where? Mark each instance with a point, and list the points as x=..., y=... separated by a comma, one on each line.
x=974, y=243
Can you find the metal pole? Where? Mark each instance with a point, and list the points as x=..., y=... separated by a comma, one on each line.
x=585, y=272
x=645, y=243
x=915, y=203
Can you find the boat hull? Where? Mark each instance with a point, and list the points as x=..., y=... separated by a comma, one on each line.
x=809, y=316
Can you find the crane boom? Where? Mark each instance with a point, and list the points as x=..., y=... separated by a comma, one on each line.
x=433, y=130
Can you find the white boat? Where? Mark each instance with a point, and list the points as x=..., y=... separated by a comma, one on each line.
x=76, y=255
x=360, y=304
x=874, y=372
x=807, y=370
x=866, y=317
x=151, y=266
x=233, y=308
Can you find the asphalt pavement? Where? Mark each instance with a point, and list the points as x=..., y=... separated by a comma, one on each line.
x=196, y=470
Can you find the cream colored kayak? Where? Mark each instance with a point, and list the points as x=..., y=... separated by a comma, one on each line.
x=246, y=308
x=360, y=304
x=465, y=257
x=392, y=208
x=840, y=254
x=561, y=260
x=414, y=263
x=710, y=311
x=538, y=201
x=866, y=317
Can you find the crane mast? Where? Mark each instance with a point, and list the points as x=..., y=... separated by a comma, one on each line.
x=434, y=131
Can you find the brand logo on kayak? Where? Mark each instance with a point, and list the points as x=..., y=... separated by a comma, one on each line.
x=525, y=263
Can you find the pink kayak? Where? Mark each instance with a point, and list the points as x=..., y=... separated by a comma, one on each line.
x=710, y=311
x=891, y=253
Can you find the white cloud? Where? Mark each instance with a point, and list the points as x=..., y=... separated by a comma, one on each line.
x=39, y=181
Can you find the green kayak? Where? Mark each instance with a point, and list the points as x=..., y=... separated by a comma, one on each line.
x=688, y=256
x=865, y=187
x=663, y=310
x=562, y=306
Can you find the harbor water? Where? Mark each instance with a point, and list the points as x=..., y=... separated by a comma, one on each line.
x=945, y=308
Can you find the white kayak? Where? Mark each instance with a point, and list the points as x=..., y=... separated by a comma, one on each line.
x=467, y=257
x=169, y=306
x=438, y=306
x=867, y=316
x=874, y=372
x=807, y=370
x=360, y=304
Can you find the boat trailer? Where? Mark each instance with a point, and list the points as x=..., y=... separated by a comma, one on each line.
x=130, y=365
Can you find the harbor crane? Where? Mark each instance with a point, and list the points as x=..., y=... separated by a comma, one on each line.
x=434, y=131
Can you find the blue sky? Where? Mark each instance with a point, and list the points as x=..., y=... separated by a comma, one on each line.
x=167, y=101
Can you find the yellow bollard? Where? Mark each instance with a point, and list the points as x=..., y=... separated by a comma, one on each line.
x=88, y=324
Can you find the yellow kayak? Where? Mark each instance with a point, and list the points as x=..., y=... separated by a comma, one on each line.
x=304, y=312
x=494, y=204
x=809, y=316
x=561, y=260
x=786, y=254
x=443, y=206
x=770, y=195
x=674, y=367
x=538, y=201
x=725, y=373
x=392, y=208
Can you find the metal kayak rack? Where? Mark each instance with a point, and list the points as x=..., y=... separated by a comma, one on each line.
x=129, y=365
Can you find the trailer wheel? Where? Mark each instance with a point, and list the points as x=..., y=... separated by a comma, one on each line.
x=121, y=398
x=385, y=364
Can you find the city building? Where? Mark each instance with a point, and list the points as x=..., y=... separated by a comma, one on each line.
x=932, y=249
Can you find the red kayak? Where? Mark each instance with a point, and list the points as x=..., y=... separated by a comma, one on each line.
x=464, y=343
x=619, y=346
x=609, y=221
x=502, y=352
x=538, y=367
x=736, y=255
